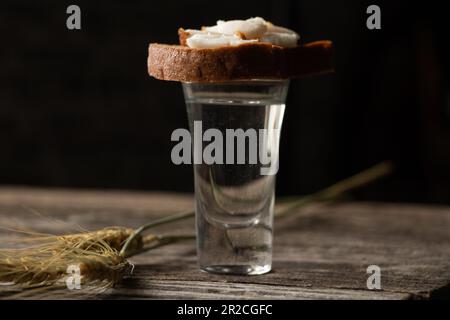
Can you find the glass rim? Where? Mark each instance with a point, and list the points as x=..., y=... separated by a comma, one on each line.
x=240, y=81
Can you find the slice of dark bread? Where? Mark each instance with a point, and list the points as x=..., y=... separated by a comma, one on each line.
x=243, y=62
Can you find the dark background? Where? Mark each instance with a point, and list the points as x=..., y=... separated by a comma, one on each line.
x=77, y=108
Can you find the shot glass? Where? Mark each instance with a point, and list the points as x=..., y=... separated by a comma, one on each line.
x=235, y=129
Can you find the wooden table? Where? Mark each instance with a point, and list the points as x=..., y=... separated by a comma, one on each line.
x=321, y=252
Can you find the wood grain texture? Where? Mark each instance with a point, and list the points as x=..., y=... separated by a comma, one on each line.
x=321, y=252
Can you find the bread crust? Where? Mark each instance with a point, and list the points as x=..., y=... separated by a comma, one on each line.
x=243, y=62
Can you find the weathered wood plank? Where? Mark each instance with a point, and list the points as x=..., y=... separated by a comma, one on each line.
x=322, y=252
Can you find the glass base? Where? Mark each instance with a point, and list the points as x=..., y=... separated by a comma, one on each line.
x=245, y=270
